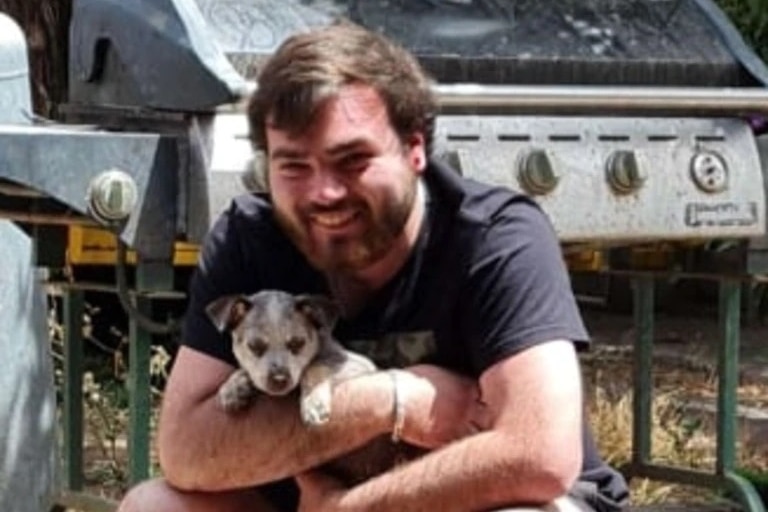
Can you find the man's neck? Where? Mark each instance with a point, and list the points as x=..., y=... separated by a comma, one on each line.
x=354, y=289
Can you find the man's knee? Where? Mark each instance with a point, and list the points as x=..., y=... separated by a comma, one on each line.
x=562, y=504
x=145, y=497
x=158, y=496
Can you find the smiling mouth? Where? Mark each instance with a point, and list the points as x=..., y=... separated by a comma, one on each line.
x=333, y=220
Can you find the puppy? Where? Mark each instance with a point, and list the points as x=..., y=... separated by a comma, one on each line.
x=283, y=342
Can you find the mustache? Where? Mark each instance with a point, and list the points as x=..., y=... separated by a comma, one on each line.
x=340, y=206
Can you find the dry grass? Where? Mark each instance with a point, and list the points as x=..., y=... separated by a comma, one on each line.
x=679, y=438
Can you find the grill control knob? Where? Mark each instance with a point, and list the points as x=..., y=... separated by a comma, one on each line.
x=112, y=196
x=623, y=173
x=709, y=172
x=536, y=173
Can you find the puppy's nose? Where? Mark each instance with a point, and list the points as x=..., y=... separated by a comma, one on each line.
x=279, y=378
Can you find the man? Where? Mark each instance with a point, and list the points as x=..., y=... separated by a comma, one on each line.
x=461, y=284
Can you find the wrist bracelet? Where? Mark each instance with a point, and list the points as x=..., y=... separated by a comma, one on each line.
x=398, y=408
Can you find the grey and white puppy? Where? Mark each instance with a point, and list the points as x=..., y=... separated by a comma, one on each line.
x=283, y=341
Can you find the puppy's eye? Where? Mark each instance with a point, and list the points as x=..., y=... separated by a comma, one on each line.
x=258, y=347
x=295, y=345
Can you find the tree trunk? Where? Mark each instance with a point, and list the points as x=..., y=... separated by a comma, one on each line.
x=46, y=25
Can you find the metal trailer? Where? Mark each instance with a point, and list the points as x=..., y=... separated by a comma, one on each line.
x=631, y=123
x=28, y=452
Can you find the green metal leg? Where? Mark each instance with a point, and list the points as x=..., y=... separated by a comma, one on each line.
x=727, y=399
x=139, y=400
x=73, y=389
x=150, y=276
x=728, y=370
x=745, y=492
x=642, y=366
x=71, y=495
x=728, y=366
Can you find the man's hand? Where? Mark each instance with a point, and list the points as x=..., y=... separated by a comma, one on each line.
x=440, y=406
x=319, y=492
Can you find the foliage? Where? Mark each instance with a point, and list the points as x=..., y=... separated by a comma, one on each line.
x=751, y=19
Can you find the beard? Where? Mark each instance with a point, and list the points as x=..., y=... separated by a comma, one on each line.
x=343, y=254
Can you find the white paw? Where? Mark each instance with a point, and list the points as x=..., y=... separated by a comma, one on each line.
x=315, y=410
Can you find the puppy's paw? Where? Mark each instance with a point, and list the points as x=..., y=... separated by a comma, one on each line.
x=236, y=393
x=315, y=409
x=232, y=401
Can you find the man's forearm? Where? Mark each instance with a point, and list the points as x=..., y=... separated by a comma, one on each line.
x=478, y=473
x=209, y=449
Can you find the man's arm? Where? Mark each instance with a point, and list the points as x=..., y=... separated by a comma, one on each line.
x=202, y=447
x=530, y=454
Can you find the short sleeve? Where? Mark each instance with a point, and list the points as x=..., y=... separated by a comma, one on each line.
x=517, y=291
x=220, y=271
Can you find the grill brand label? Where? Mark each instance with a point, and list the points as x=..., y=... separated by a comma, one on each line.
x=723, y=214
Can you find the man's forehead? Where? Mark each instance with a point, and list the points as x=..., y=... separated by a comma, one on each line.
x=354, y=103
x=352, y=117
x=359, y=103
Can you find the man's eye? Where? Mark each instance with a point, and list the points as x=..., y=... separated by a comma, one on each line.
x=293, y=169
x=354, y=162
x=295, y=345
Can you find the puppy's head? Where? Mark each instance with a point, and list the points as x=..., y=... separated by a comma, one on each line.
x=275, y=335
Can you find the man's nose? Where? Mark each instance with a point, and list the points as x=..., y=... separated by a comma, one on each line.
x=328, y=187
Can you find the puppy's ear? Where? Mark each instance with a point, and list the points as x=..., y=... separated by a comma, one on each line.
x=321, y=311
x=228, y=311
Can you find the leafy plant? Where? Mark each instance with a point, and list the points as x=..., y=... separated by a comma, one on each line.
x=751, y=19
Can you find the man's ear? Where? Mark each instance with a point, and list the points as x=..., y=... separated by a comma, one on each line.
x=228, y=311
x=416, y=151
x=321, y=311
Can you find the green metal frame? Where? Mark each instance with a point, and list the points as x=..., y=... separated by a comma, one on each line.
x=641, y=465
x=150, y=278
x=72, y=494
x=139, y=401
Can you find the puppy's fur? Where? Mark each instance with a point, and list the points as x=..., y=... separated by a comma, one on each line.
x=281, y=342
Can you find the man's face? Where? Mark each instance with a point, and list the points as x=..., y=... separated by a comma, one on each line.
x=344, y=188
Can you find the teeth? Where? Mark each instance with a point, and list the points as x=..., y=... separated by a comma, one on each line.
x=331, y=220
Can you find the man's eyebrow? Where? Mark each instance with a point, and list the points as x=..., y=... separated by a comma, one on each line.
x=335, y=150
x=345, y=147
x=288, y=154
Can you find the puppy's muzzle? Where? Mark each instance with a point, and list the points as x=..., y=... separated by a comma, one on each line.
x=279, y=380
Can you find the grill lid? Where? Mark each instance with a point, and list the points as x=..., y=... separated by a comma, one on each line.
x=629, y=42
x=134, y=53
